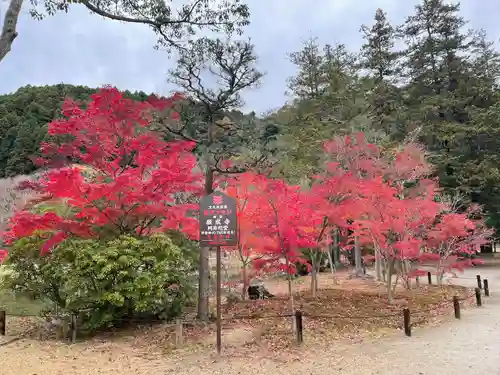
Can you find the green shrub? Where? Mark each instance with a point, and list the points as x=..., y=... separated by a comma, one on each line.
x=106, y=281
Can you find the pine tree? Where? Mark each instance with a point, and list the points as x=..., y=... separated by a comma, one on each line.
x=436, y=68
x=452, y=96
x=380, y=59
x=309, y=82
x=377, y=54
x=230, y=67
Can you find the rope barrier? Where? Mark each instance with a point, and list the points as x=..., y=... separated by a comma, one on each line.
x=268, y=316
x=405, y=313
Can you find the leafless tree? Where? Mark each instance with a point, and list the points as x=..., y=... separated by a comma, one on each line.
x=213, y=73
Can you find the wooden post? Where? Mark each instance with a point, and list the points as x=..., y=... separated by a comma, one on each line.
x=219, y=322
x=406, y=322
x=456, y=307
x=179, y=340
x=479, y=285
x=74, y=326
x=299, y=327
x=429, y=278
x=478, y=297
x=2, y=323
x=486, y=288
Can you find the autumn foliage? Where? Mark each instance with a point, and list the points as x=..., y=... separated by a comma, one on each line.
x=116, y=176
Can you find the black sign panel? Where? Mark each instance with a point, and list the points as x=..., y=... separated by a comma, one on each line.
x=218, y=220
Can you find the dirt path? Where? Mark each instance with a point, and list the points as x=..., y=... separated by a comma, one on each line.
x=471, y=345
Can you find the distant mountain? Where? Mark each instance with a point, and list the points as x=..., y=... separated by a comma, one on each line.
x=24, y=116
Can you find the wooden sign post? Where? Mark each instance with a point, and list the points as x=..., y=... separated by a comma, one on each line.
x=218, y=227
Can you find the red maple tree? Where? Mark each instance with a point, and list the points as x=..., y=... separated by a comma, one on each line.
x=454, y=238
x=126, y=179
x=286, y=224
x=396, y=227
x=331, y=197
x=244, y=188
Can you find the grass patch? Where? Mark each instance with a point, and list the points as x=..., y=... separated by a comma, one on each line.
x=20, y=305
x=17, y=304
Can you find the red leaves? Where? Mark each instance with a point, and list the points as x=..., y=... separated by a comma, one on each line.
x=362, y=191
x=276, y=220
x=3, y=254
x=371, y=190
x=53, y=241
x=128, y=179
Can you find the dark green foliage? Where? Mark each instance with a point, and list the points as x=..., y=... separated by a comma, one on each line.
x=440, y=89
x=108, y=282
x=452, y=96
x=24, y=116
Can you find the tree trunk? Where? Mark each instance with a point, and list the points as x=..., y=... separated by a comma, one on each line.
x=397, y=267
x=204, y=283
x=390, y=266
x=9, y=32
x=383, y=264
x=439, y=278
x=245, y=282
x=336, y=248
x=406, y=269
x=333, y=267
x=290, y=293
x=204, y=266
x=314, y=274
x=358, y=267
x=395, y=284
x=314, y=283
x=378, y=264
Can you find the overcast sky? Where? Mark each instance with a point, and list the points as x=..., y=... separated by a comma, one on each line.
x=84, y=49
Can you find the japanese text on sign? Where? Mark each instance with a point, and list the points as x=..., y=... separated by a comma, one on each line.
x=218, y=220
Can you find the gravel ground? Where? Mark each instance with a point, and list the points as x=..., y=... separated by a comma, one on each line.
x=466, y=347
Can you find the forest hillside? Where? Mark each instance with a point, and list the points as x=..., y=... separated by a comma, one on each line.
x=439, y=89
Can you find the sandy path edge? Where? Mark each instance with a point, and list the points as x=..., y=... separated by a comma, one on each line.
x=465, y=347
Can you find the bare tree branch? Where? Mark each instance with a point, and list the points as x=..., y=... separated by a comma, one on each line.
x=174, y=25
x=238, y=169
x=230, y=63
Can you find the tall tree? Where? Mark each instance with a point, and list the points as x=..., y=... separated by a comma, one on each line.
x=329, y=98
x=172, y=24
x=343, y=84
x=213, y=73
x=377, y=52
x=435, y=40
x=381, y=60
x=436, y=66
x=452, y=95
x=309, y=82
